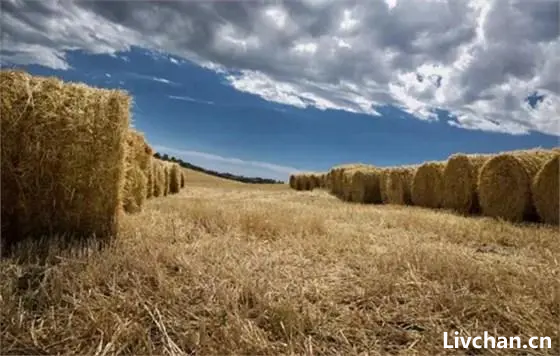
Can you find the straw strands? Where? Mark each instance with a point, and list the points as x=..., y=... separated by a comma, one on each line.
x=505, y=183
x=63, y=150
x=546, y=194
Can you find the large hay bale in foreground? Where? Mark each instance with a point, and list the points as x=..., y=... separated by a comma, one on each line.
x=505, y=183
x=174, y=179
x=62, y=161
x=427, y=185
x=159, y=178
x=399, y=184
x=546, y=194
x=365, y=186
x=460, y=182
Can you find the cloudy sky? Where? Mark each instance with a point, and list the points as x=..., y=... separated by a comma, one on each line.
x=269, y=87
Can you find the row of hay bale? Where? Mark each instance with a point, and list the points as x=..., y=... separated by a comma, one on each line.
x=145, y=176
x=516, y=185
x=70, y=163
x=307, y=181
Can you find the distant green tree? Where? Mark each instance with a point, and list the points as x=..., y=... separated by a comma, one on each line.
x=157, y=155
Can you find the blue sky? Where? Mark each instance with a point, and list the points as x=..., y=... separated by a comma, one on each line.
x=231, y=105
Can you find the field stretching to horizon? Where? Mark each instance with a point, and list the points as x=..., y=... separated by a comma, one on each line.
x=173, y=261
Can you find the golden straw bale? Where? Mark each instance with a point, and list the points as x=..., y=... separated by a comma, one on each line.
x=159, y=178
x=174, y=179
x=183, y=178
x=427, y=185
x=150, y=187
x=399, y=185
x=546, y=194
x=337, y=177
x=167, y=180
x=62, y=161
x=293, y=181
x=135, y=190
x=137, y=162
x=383, y=177
x=460, y=182
x=347, y=177
x=505, y=183
x=365, y=186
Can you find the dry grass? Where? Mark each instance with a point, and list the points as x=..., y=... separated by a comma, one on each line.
x=242, y=269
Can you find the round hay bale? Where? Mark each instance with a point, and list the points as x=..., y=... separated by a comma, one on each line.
x=337, y=177
x=135, y=190
x=183, y=178
x=166, y=181
x=427, y=185
x=546, y=194
x=159, y=178
x=365, y=186
x=151, y=183
x=293, y=180
x=505, y=183
x=174, y=179
x=383, y=177
x=460, y=182
x=347, y=178
x=399, y=184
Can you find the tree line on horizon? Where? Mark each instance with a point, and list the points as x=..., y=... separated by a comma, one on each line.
x=239, y=178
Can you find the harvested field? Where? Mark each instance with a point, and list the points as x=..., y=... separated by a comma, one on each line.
x=54, y=136
x=244, y=269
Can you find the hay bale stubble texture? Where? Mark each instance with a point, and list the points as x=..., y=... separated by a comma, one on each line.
x=63, y=150
x=365, y=186
x=460, y=182
x=546, y=192
x=427, y=185
x=505, y=184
